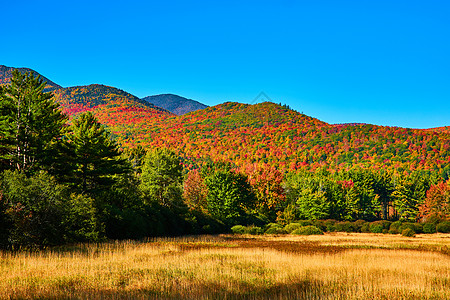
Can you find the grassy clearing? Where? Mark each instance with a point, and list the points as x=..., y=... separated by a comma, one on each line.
x=332, y=266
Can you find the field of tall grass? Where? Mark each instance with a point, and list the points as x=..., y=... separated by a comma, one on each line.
x=330, y=266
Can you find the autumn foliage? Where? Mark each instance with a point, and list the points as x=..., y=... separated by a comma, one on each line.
x=437, y=203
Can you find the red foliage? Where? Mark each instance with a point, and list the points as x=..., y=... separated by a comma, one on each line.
x=195, y=190
x=267, y=183
x=437, y=202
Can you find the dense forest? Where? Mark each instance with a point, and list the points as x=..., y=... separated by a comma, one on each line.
x=110, y=171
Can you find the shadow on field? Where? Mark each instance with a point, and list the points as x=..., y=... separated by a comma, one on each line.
x=302, y=289
x=297, y=247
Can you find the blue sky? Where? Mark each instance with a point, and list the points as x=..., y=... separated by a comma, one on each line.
x=379, y=62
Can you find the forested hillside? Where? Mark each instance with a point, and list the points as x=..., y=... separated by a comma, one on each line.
x=6, y=74
x=265, y=133
x=276, y=135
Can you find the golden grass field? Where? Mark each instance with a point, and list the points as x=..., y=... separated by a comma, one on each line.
x=330, y=266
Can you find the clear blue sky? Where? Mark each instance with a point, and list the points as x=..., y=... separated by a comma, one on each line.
x=380, y=62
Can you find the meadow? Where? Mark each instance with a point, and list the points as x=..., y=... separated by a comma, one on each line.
x=330, y=266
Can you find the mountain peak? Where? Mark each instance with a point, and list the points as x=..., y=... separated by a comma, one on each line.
x=175, y=104
x=6, y=75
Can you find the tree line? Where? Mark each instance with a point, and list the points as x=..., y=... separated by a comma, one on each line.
x=67, y=181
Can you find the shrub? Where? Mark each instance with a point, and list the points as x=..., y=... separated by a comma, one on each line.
x=443, y=227
x=417, y=228
x=305, y=222
x=344, y=227
x=270, y=225
x=319, y=224
x=238, y=229
x=396, y=225
x=365, y=227
x=307, y=230
x=292, y=226
x=429, y=228
x=376, y=227
x=275, y=230
x=253, y=230
x=393, y=231
x=358, y=224
x=36, y=207
x=408, y=232
x=330, y=225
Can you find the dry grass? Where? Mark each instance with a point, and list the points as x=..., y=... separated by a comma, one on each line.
x=333, y=266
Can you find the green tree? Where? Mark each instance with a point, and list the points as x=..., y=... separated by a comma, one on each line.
x=81, y=220
x=384, y=187
x=409, y=193
x=31, y=124
x=42, y=212
x=367, y=202
x=230, y=196
x=35, y=207
x=161, y=178
x=313, y=204
x=96, y=155
x=136, y=157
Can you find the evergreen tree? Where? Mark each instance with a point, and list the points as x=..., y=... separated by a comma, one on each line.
x=96, y=155
x=31, y=124
x=409, y=193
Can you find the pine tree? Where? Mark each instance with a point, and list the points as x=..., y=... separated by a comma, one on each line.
x=96, y=155
x=31, y=124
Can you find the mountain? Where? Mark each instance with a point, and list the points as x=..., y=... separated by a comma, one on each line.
x=120, y=111
x=96, y=95
x=264, y=133
x=175, y=104
x=115, y=108
x=6, y=74
x=275, y=135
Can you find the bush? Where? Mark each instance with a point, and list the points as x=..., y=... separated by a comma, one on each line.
x=275, y=230
x=305, y=222
x=319, y=224
x=381, y=226
x=253, y=230
x=36, y=208
x=443, y=227
x=292, y=226
x=308, y=230
x=396, y=226
x=408, y=232
x=358, y=224
x=376, y=227
x=238, y=229
x=344, y=227
x=330, y=225
x=393, y=231
x=417, y=228
x=272, y=225
x=365, y=228
x=429, y=228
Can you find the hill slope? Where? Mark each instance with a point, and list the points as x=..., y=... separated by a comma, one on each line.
x=6, y=74
x=117, y=109
x=175, y=104
x=275, y=135
x=264, y=133
x=94, y=95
